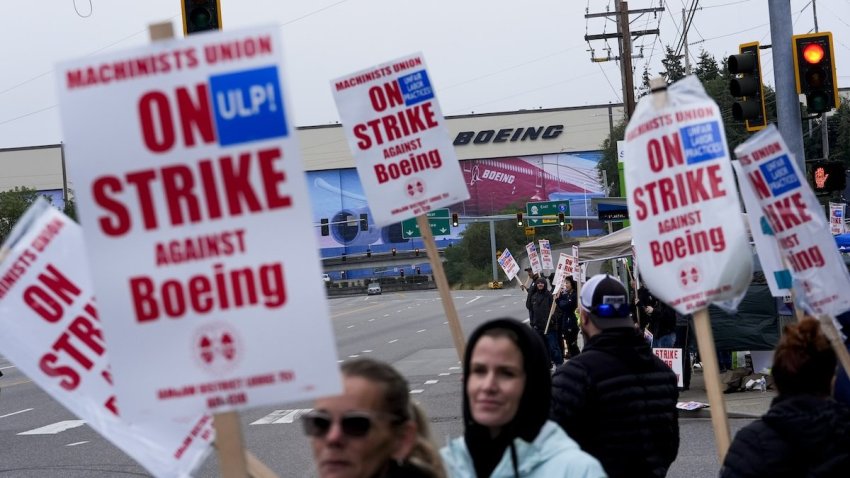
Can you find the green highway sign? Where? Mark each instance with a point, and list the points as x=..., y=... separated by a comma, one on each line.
x=441, y=224
x=546, y=208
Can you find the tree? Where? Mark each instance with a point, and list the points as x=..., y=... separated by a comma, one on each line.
x=707, y=68
x=673, y=68
x=608, y=163
x=13, y=204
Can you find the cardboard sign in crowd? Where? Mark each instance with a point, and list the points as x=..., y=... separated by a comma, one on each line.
x=197, y=221
x=53, y=332
x=797, y=221
x=686, y=221
x=399, y=139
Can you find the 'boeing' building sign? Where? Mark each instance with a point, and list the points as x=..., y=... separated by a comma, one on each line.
x=509, y=135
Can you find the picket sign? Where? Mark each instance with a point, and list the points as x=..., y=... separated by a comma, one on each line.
x=807, y=247
x=510, y=267
x=233, y=459
x=546, y=254
x=836, y=218
x=692, y=249
x=404, y=157
x=52, y=332
x=533, y=258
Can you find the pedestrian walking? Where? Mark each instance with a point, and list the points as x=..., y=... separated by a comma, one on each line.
x=506, y=430
x=370, y=431
x=617, y=400
x=805, y=432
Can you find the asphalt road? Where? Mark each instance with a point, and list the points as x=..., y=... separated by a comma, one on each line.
x=408, y=330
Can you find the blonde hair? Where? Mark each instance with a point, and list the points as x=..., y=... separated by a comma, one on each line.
x=424, y=453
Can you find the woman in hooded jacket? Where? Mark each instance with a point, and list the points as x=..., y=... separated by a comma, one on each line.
x=506, y=398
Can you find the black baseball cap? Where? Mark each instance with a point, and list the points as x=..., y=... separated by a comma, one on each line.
x=605, y=298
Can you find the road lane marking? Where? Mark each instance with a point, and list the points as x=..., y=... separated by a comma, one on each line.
x=488, y=310
x=473, y=300
x=353, y=356
x=392, y=341
x=454, y=368
x=372, y=320
x=350, y=327
x=281, y=416
x=77, y=443
x=418, y=390
x=470, y=315
x=446, y=322
x=444, y=374
x=386, y=315
x=431, y=382
x=367, y=351
x=15, y=413
x=354, y=311
x=8, y=367
x=55, y=428
x=420, y=331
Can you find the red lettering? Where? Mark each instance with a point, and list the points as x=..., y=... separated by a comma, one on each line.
x=195, y=114
x=119, y=222
x=758, y=183
x=70, y=378
x=156, y=141
x=178, y=185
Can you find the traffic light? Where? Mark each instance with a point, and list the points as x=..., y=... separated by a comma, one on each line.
x=364, y=222
x=519, y=222
x=326, y=230
x=747, y=85
x=394, y=251
x=416, y=251
x=368, y=252
x=814, y=65
x=343, y=257
x=401, y=273
x=418, y=271
x=455, y=220
x=828, y=176
x=561, y=219
x=200, y=16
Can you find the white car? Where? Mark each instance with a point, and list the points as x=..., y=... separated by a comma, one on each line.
x=326, y=278
x=374, y=289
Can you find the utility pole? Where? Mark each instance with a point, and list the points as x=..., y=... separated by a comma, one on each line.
x=624, y=36
x=787, y=100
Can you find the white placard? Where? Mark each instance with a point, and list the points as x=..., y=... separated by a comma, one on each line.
x=533, y=258
x=399, y=139
x=52, y=333
x=509, y=265
x=196, y=217
x=673, y=359
x=561, y=271
x=797, y=221
x=688, y=232
x=836, y=218
x=546, y=254
x=777, y=275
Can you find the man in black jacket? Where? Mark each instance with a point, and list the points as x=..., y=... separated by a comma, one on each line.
x=617, y=399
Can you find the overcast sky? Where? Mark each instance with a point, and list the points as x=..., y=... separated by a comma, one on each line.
x=483, y=55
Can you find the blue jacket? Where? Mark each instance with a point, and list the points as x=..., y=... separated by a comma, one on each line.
x=552, y=454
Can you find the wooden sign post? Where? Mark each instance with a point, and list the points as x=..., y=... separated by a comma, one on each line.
x=442, y=284
x=711, y=375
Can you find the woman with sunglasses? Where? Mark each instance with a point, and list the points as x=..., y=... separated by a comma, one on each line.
x=505, y=408
x=370, y=431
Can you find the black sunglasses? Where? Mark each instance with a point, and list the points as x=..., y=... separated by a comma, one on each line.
x=353, y=424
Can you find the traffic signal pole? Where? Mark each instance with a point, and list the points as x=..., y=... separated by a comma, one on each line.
x=787, y=101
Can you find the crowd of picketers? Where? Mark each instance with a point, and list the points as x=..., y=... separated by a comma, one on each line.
x=609, y=410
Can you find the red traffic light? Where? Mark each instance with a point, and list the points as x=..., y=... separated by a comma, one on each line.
x=813, y=53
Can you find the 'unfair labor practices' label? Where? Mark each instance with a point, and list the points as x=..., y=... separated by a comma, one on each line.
x=780, y=175
x=702, y=142
x=416, y=87
x=248, y=106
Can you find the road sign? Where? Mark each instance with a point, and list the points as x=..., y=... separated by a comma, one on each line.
x=441, y=224
x=529, y=231
x=546, y=208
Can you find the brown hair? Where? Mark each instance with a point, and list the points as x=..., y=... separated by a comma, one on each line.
x=804, y=362
x=397, y=403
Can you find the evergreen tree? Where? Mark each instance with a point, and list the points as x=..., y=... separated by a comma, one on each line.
x=673, y=68
x=707, y=68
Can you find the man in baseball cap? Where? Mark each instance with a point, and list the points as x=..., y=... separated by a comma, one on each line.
x=617, y=399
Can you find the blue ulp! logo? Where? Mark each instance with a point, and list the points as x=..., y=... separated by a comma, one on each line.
x=416, y=87
x=248, y=106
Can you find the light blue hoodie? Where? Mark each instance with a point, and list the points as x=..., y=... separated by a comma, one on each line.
x=552, y=455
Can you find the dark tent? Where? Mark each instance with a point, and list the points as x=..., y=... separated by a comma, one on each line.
x=755, y=326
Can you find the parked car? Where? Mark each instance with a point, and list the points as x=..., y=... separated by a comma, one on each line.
x=374, y=289
x=326, y=278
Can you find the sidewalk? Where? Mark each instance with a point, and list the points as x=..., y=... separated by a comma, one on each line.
x=745, y=404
